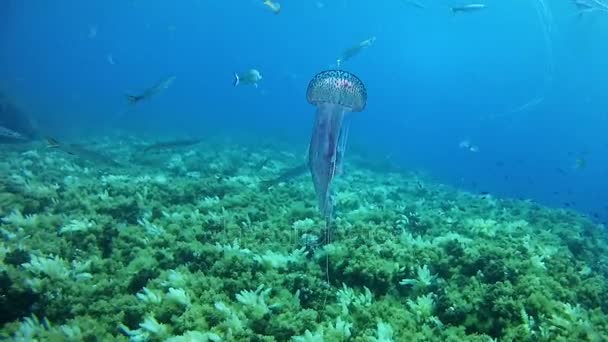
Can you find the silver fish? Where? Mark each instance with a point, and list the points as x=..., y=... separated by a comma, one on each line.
x=157, y=88
x=82, y=153
x=414, y=3
x=12, y=135
x=251, y=77
x=468, y=8
x=354, y=50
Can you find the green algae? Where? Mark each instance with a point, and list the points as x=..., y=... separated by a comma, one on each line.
x=221, y=257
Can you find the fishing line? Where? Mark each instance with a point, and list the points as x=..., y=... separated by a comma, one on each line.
x=119, y=115
x=545, y=19
x=327, y=241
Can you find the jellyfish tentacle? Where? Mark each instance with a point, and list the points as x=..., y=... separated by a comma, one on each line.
x=342, y=140
x=323, y=152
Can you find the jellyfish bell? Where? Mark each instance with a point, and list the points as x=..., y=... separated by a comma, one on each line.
x=335, y=93
x=337, y=87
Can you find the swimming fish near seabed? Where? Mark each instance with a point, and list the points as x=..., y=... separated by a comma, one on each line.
x=9, y=134
x=82, y=153
x=155, y=89
x=165, y=145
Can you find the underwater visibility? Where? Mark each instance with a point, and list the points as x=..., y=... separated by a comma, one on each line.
x=178, y=171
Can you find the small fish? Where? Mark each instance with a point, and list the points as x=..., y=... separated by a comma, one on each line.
x=589, y=6
x=275, y=7
x=110, y=59
x=11, y=135
x=582, y=5
x=419, y=185
x=82, y=153
x=250, y=77
x=171, y=144
x=466, y=144
x=413, y=3
x=468, y=8
x=163, y=84
x=580, y=163
x=261, y=164
x=53, y=143
x=354, y=50
x=286, y=176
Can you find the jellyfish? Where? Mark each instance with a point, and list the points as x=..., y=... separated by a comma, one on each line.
x=335, y=93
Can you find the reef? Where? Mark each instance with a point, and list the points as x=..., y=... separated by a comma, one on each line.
x=187, y=245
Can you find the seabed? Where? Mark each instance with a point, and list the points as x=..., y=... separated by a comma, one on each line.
x=186, y=245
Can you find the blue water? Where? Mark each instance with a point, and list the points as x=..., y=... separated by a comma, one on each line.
x=526, y=85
